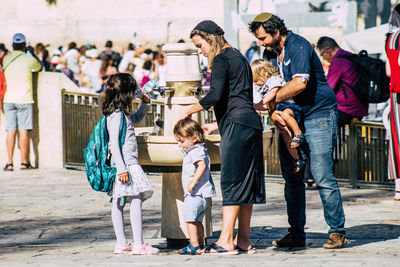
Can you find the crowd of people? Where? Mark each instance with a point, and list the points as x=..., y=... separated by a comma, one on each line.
x=89, y=69
x=305, y=104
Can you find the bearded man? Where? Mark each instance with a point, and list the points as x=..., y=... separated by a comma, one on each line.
x=302, y=70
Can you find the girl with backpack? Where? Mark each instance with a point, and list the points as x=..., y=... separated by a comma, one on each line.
x=131, y=185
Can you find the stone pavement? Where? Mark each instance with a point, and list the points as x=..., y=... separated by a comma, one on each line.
x=53, y=218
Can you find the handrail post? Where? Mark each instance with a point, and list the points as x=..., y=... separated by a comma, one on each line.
x=353, y=148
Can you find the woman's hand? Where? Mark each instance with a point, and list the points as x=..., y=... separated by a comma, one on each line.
x=209, y=128
x=191, y=110
x=123, y=177
x=184, y=116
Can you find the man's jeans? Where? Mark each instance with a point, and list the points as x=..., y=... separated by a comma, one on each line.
x=320, y=134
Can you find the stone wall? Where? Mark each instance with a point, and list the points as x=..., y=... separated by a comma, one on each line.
x=96, y=21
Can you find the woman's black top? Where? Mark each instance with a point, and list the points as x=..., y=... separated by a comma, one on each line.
x=231, y=91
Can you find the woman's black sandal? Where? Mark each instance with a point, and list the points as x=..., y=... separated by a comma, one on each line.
x=218, y=250
x=26, y=166
x=7, y=167
x=245, y=251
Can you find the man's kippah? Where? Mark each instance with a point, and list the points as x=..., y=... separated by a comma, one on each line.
x=263, y=17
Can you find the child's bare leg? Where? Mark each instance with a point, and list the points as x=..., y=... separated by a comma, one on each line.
x=200, y=234
x=292, y=151
x=283, y=129
x=288, y=116
x=193, y=231
x=298, y=163
x=291, y=122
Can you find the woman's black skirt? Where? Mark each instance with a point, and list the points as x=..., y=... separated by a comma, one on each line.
x=242, y=165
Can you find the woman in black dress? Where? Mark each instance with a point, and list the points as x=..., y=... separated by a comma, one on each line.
x=242, y=169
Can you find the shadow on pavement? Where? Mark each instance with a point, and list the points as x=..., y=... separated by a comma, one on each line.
x=53, y=230
x=359, y=235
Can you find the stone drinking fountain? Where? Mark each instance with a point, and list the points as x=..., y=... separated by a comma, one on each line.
x=162, y=154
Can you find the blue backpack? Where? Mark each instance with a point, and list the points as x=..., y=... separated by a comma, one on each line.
x=99, y=171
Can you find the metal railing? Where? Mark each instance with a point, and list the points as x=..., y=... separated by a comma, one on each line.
x=81, y=112
x=367, y=151
x=360, y=157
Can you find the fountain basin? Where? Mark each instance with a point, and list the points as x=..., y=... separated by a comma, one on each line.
x=162, y=153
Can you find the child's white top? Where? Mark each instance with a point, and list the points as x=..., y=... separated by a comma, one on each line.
x=205, y=185
x=269, y=84
x=129, y=153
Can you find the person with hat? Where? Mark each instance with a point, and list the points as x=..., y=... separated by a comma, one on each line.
x=242, y=169
x=18, y=99
x=305, y=80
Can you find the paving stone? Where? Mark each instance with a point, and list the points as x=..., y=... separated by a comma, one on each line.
x=53, y=218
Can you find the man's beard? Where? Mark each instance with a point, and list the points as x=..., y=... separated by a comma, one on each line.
x=273, y=47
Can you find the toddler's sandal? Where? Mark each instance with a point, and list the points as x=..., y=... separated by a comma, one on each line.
x=297, y=140
x=298, y=165
x=189, y=250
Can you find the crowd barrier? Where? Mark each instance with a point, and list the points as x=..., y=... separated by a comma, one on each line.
x=360, y=156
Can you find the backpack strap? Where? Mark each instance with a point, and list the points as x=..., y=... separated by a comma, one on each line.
x=342, y=83
x=122, y=130
x=9, y=63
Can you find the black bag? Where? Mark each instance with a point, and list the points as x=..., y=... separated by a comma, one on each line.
x=373, y=84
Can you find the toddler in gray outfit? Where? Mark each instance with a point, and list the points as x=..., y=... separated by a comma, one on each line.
x=197, y=183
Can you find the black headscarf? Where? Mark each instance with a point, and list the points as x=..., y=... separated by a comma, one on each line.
x=209, y=26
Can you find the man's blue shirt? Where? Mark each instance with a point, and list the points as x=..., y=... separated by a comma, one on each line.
x=300, y=59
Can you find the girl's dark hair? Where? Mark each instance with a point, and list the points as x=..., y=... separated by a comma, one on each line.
x=270, y=26
x=119, y=93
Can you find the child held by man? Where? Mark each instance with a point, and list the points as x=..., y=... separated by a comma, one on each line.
x=268, y=81
x=197, y=183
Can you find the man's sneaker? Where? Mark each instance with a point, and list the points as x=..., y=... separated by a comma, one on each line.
x=336, y=241
x=119, y=249
x=288, y=241
x=144, y=249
